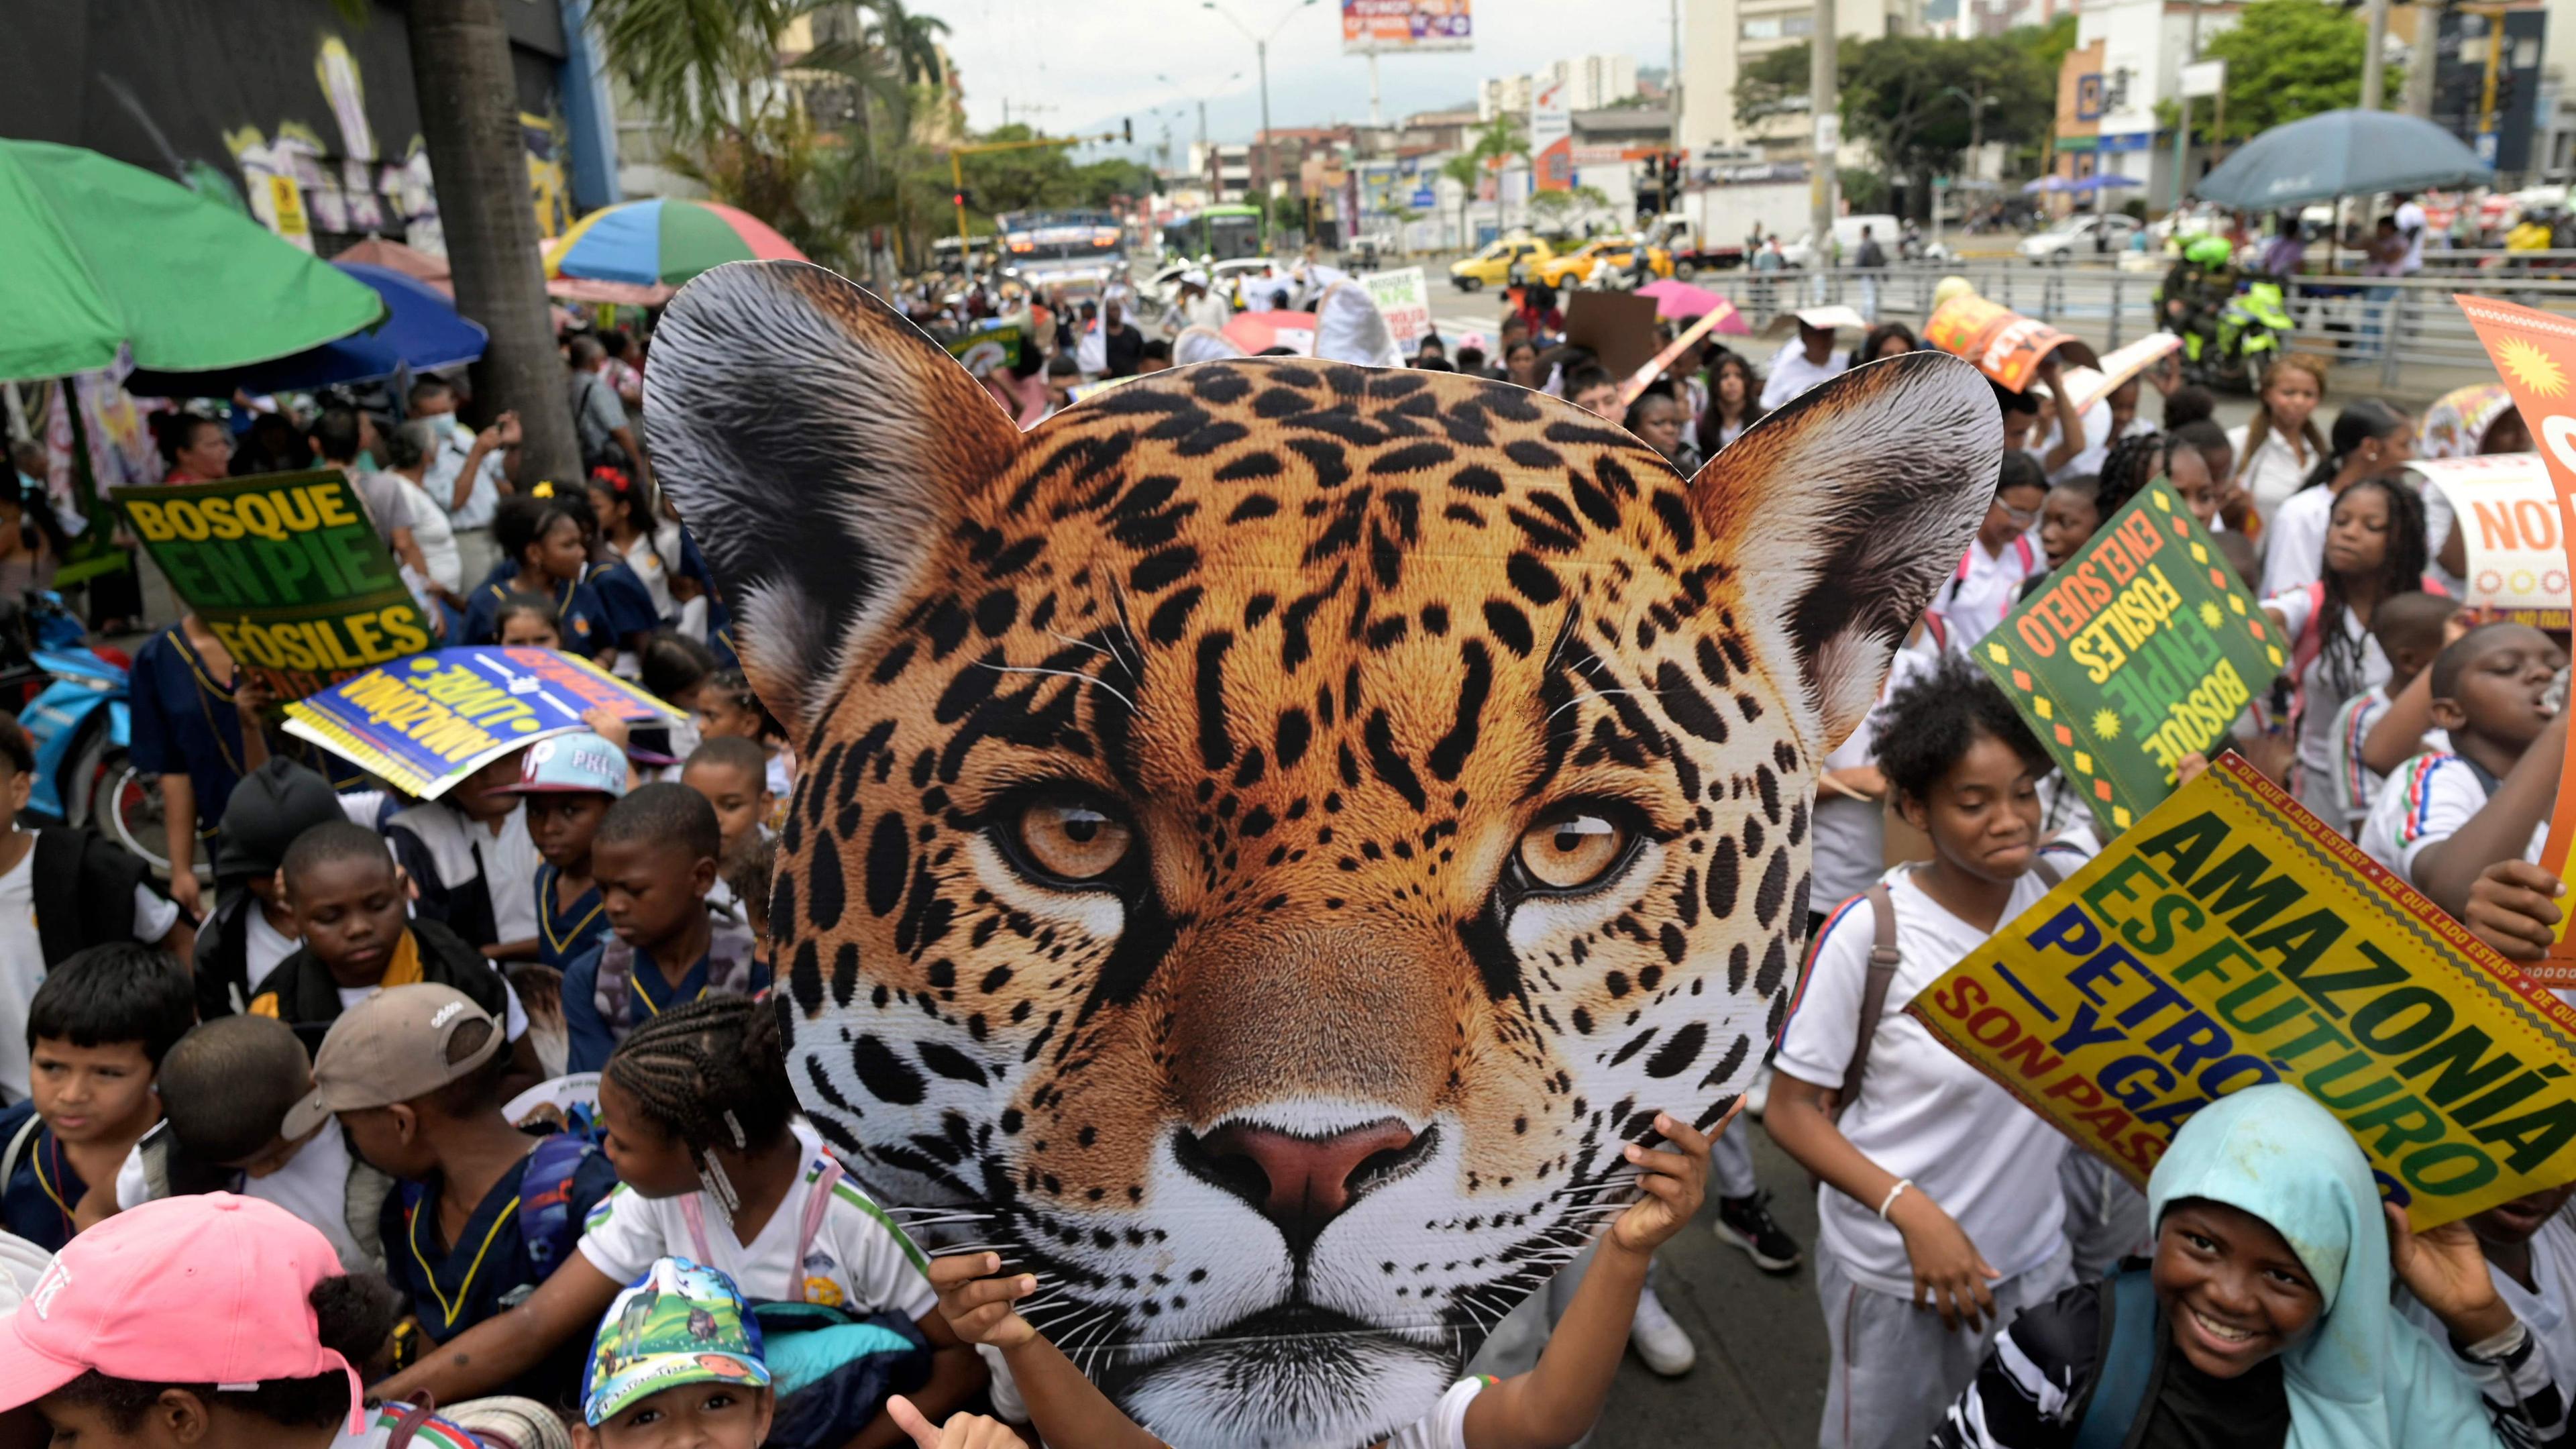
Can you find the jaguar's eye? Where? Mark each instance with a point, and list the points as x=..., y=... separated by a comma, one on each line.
x=1072, y=840
x=1574, y=848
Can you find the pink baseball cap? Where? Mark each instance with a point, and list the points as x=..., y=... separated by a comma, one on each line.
x=192, y=1290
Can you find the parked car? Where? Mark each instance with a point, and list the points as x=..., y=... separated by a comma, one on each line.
x=1501, y=263
x=2070, y=237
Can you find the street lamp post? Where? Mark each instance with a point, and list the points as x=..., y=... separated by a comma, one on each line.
x=1201, y=102
x=1261, y=60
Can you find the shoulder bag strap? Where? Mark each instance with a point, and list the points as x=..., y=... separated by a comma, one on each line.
x=2126, y=1366
x=1873, y=993
x=18, y=1147
x=817, y=1203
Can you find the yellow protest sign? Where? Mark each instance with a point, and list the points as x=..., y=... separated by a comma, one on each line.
x=2230, y=939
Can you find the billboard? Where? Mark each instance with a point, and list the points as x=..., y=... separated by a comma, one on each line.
x=1375, y=25
x=1551, y=138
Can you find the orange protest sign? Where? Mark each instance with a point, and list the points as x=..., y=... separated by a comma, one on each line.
x=2536, y=353
x=2004, y=344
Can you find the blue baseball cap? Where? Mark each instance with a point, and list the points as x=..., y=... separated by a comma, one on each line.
x=567, y=763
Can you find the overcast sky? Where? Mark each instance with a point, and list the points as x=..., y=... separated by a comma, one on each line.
x=1094, y=61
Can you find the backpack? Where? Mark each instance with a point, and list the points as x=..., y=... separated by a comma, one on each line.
x=2129, y=1365
x=546, y=1223
x=1883, y=961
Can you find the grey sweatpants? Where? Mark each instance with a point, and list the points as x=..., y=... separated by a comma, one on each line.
x=1894, y=1368
x=2106, y=1219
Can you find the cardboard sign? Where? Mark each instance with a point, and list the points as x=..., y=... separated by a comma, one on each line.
x=2508, y=514
x=2004, y=344
x=1616, y=327
x=1636, y=383
x=288, y=572
x=2142, y=648
x=2118, y=367
x=2233, y=939
x=2536, y=353
x=1405, y=299
x=425, y=723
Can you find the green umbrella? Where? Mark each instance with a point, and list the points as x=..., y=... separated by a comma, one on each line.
x=101, y=254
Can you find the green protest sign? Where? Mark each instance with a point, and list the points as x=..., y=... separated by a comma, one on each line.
x=989, y=347
x=287, y=570
x=2139, y=650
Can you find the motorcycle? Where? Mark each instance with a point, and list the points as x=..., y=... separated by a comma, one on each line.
x=74, y=702
x=2251, y=330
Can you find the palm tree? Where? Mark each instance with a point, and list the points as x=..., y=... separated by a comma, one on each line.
x=469, y=125
x=1463, y=168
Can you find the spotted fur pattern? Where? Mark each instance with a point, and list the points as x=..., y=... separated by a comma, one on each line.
x=1329, y=640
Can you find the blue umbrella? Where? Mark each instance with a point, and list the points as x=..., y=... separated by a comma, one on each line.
x=2048, y=184
x=422, y=330
x=2101, y=182
x=2341, y=153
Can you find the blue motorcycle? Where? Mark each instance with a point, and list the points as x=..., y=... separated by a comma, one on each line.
x=81, y=723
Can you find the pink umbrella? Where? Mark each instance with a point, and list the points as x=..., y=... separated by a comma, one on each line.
x=1680, y=299
x=1261, y=331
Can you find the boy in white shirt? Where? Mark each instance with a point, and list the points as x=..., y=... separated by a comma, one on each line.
x=2409, y=630
x=2450, y=815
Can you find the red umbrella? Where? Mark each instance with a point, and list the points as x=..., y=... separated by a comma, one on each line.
x=1260, y=331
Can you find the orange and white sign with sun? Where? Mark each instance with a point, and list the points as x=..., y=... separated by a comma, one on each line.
x=2535, y=353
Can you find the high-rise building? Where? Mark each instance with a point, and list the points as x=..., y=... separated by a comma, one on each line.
x=1585, y=83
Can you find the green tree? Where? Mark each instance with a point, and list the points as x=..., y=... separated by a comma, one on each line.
x=2290, y=59
x=1776, y=83
x=1914, y=99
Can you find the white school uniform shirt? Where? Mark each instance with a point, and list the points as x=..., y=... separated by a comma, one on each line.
x=510, y=861
x=2546, y=1312
x=1850, y=852
x=2097, y=442
x=2319, y=704
x=436, y=535
x=22, y=960
x=2427, y=800
x=2356, y=785
x=455, y=445
x=2439, y=517
x=1924, y=1113
x=1984, y=587
x=858, y=1259
x=2273, y=473
x=1789, y=373
x=2294, y=540
x=312, y=1185
x=1445, y=1427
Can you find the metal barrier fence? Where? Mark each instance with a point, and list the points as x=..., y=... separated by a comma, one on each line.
x=2393, y=322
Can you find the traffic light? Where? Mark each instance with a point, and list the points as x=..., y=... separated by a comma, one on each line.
x=1127, y=130
x=962, y=200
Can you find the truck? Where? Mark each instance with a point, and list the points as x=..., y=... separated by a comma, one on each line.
x=1692, y=251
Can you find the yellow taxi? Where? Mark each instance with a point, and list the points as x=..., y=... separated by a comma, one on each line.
x=1615, y=253
x=1501, y=263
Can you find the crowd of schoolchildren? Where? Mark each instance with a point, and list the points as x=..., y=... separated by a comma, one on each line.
x=282, y=1150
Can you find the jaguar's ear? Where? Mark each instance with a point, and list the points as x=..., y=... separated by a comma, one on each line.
x=821, y=446
x=1843, y=511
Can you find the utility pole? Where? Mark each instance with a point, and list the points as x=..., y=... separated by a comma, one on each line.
x=1261, y=59
x=1673, y=86
x=1824, y=78
x=2182, y=131
x=1376, y=117
x=2423, y=60
x=2374, y=61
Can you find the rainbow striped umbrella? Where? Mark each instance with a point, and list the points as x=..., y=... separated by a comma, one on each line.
x=663, y=242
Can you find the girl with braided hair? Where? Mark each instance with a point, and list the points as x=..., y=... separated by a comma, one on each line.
x=714, y=1166
x=2374, y=551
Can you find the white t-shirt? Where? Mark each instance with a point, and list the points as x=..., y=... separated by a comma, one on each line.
x=436, y=536
x=1984, y=587
x=313, y=1185
x=2429, y=798
x=2439, y=516
x=22, y=960
x=2319, y=702
x=263, y=946
x=1789, y=373
x=2545, y=1313
x=510, y=875
x=2356, y=785
x=1851, y=835
x=2097, y=442
x=1923, y=1113
x=1445, y=1427
x=2294, y=541
x=858, y=1260
x=439, y=481
x=2273, y=473
x=2410, y=225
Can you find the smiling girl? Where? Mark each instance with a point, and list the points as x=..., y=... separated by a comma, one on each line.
x=2269, y=1321
x=1939, y=1190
